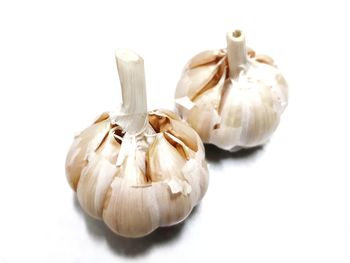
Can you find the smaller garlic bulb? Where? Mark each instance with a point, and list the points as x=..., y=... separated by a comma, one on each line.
x=232, y=97
x=134, y=169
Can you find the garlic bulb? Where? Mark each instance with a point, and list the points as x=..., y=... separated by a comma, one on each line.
x=134, y=169
x=232, y=97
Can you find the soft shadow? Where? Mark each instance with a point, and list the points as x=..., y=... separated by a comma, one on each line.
x=215, y=154
x=131, y=247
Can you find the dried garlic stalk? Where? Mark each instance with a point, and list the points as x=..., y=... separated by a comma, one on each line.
x=232, y=97
x=137, y=170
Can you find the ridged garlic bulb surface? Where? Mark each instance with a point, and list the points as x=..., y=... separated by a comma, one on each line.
x=232, y=97
x=137, y=170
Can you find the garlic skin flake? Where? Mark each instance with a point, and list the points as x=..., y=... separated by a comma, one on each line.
x=232, y=97
x=137, y=170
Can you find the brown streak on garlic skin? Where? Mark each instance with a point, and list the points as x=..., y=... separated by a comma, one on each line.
x=250, y=52
x=264, y=59
x=177, y=146
x=206, y=57
x=118, y=132
x=104, y=116
x=159, y=122
x=164, y=124
x=212, y=82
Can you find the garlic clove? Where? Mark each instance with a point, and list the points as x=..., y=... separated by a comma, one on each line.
x=204, y=116
x=132, y=171
x=174, y=207
x=157, y=169
x=97, y=176
x=89, y=138
x=237, y=99
x=194, y=81
x=228, y=125
x=129, y=210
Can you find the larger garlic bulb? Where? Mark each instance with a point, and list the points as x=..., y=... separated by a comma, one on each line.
x=134, y=169
x=231, y=97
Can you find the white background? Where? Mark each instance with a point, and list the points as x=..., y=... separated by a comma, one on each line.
x=286, y=202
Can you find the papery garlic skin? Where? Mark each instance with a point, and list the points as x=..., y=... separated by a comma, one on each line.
x=232, y=97
x=137, y=174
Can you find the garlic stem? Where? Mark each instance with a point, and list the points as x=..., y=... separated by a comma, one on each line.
x=236, y=52
x=133, y=113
